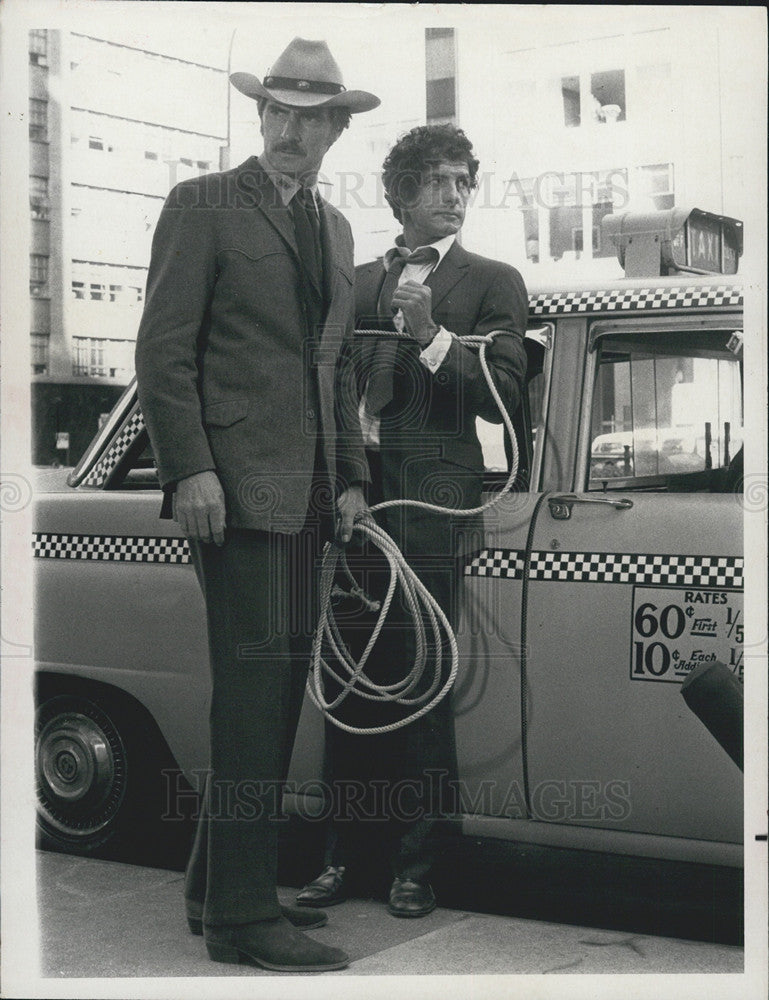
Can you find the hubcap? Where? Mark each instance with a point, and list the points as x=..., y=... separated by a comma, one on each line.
x=81, y=768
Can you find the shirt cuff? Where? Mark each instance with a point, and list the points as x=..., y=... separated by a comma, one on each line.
x=432, y=356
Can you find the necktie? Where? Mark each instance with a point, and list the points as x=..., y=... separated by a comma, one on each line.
x=307, y=229
x=379, y=391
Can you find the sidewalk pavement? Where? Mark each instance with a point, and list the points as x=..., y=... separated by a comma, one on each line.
x=105, y=919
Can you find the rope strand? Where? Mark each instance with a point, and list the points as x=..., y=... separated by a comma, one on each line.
x=419, y=601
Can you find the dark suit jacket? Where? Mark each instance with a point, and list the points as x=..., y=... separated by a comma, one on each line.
x=428, y=442
x=230, y=374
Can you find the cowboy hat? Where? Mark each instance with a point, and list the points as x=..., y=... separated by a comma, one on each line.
x=305, y=75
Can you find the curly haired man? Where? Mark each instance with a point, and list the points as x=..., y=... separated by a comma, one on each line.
x=420, y=396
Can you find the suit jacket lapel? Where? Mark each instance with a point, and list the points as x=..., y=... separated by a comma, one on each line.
x=329, y=226
x=451, y=269
x=368, y=288
x=268, y=201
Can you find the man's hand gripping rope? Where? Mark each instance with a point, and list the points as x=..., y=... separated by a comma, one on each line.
x=418, y=600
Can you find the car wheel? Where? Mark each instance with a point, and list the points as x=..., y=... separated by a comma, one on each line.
x=82, y=765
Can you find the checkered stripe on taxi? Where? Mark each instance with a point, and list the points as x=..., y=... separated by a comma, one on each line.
x=611, y=567
x=111, y=548
x=101, y=471
x=633, y=299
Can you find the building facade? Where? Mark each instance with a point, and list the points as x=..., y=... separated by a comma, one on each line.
x=572, y=118
x=112, y=128
x=639, y=110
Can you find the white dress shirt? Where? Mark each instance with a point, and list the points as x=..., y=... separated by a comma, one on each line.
x=431, y=356
x=285, y=185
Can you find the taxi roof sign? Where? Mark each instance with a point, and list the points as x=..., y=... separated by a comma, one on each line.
x=673, y=241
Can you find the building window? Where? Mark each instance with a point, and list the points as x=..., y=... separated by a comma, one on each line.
x=656, y=184
x=40, y=353
x=38, y=47
x=571, y=101
x=441, y=74
x=38, y=272
x=610, y=191
x=597, y=98
x=577, y=204
x=38, y=120
x=96, y=142
x=530, y=214
x=204, y=164
x=572, y=204
x=99, y=357
x=107, y=283
x=441, y=99
x=601, y=249
x=38, y=197
x=89, y=356
x=608, y=94
x=150, y=154
x=565, y=231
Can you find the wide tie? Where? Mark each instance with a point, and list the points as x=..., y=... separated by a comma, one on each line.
x=379, y=391
x=307, y=229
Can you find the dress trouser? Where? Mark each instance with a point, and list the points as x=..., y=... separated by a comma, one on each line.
x=396, y=786
x=260, y=592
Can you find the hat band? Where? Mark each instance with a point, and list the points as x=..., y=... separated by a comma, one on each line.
x=303, y=86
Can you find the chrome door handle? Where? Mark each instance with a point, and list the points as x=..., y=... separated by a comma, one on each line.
x=560, y=506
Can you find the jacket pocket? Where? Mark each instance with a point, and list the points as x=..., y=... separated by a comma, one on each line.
x=225, y=413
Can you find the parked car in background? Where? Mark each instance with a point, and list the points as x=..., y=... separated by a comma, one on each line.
x=651, y=450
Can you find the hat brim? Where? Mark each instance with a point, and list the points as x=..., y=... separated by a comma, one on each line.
x=354, y=100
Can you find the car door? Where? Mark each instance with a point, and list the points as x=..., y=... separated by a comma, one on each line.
x=636, y=579
x=118, y=600
x=488, y=711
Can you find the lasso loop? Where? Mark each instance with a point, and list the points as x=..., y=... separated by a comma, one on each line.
x=424, y=609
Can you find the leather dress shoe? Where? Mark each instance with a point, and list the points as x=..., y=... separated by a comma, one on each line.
x=326, y=890
x=410, y=899
x=299, y=918
x=272, y=944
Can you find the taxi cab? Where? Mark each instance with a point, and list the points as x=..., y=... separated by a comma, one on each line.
x=611, y=571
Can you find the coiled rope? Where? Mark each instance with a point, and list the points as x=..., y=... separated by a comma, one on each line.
x=420, y=603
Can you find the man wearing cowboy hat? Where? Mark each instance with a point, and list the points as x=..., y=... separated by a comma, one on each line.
x=249, y=301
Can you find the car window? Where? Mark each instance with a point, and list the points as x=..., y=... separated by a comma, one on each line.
x=666, y=410
x=528, y=419
x=141, y=471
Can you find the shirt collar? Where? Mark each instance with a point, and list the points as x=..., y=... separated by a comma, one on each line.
x=286, y=186
x=442, y=246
